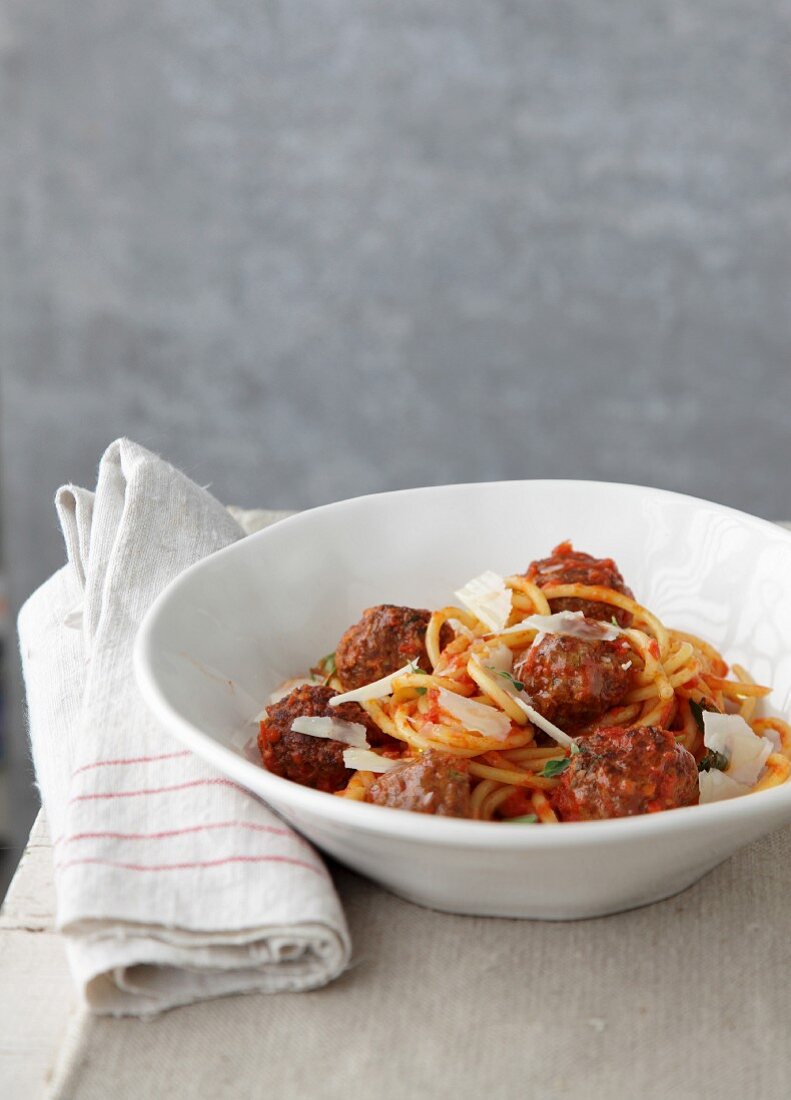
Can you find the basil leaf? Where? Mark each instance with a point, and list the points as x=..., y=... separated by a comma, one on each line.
x=421, y=691
x=555, y=767
x=507, y=676
x=697, y=713
x=525, y=819
x=327, y=665
x=698, y=710
x=712, y=760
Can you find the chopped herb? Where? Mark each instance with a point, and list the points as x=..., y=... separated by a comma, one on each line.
x=507, y=676
x=697, y=712
x=555, y=767
x=421, y=691
x=324, y=669
x=525, y=819
x=716, y=761
x=456, y=774
x=613, y=620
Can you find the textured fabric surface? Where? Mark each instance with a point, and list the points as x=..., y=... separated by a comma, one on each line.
x=686, y=999
x=143, y=831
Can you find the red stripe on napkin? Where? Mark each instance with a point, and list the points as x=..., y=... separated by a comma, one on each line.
x=166, y=833
x=193, y=864
x=130, y=760
x=159, y=790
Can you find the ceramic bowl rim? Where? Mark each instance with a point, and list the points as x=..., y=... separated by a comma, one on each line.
x=401, y=824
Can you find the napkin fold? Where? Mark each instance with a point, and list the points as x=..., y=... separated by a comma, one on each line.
x=173, y=883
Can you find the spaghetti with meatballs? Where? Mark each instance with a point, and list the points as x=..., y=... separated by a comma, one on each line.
x=546, y=696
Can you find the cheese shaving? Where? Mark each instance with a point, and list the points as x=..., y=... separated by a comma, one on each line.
x=716, y=786
x=488, y=599
x=458, y=627
x=543, y=723
x=746, y=752
x=476, y=717
x=378, y=689
x=774, y=737
x=365, y=761
x=335, y=729
x=287, y=687
x=500, y=659
x=573, y=624
x=280, y=693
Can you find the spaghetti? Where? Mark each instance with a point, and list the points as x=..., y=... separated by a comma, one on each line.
x=519, y=702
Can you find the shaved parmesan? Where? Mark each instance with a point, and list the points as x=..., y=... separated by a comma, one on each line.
x=286, y=688
x=351, y=733
x=746, y=752
x=476, y=716
x=365, y=761
x=378, y=689
x=458, y=627
x=543, y=723
x=488, y=599
x=280, y=693
x=774, y=737
x=573, y=624
x=500, y=659
x=716, y=786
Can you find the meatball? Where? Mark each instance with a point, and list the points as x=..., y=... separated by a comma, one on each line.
x=620, y=772
x=569, y=566
x=312, y=761
x=572, y=681
x=435, y=783
x=384, y=640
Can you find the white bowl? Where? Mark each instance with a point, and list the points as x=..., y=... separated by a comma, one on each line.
x=237, y=624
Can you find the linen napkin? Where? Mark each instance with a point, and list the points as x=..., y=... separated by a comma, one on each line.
x=173, y=883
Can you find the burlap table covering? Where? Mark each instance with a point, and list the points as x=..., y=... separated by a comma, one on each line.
x=687, y=999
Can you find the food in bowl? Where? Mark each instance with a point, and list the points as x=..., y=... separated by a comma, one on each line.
x=547, y=696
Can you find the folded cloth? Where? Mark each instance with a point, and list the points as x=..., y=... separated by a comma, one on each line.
x=173, y=883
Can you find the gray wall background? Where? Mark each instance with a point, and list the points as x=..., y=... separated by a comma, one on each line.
x=324, y=247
